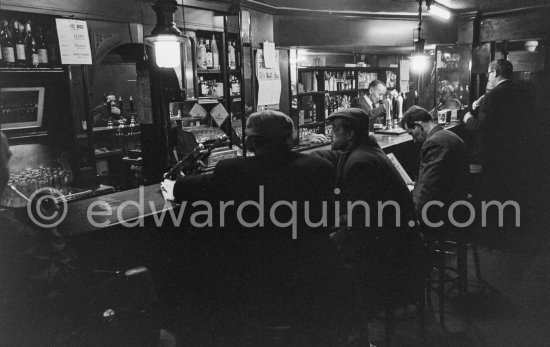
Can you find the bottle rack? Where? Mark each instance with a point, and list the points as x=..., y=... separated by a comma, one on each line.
x=323, y=90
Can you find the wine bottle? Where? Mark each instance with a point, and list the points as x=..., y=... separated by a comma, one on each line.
x=42, y=48
x=215, y=54
x=8, y=50
x=231, y=56
x=131, y=101
x=20, y=56
x=209, y=58
x=31, y=50
x=53, y=49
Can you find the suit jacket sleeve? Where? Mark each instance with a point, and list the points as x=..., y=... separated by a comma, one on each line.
x=195, y=187
x=430, y=178
x=371, y=112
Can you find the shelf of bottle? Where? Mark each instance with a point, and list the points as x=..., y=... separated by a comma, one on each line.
x=341, y=68
x=209, y=71
x=31, y=69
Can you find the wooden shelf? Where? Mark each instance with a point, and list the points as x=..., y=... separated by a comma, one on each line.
x=309, y=93
x=29, y=69
x=234, y=71
x=213, y=72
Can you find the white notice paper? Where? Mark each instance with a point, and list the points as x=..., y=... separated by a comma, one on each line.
x=269, y=82
x=74, y=42
x=269, y=55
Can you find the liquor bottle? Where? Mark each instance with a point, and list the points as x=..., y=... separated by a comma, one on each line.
x=201, y=55
x=8, y=50
x=231, y=56
x=53, y=48
x=203, y=87
x=31, y=50
x=20, y=57
x=215, y=54
x=42, y=48
x=209, y=61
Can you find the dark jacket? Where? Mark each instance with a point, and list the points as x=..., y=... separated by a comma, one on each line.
x=265, y=263
x=366, y=174
x=506, y=132
x=373, y=113
x=444, y=172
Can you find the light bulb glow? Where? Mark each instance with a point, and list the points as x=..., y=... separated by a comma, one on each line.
x=167, y=54
x=419, y=62
x=440, y=12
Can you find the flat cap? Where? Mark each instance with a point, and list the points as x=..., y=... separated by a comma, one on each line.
x=357, y=116
x=269, y=124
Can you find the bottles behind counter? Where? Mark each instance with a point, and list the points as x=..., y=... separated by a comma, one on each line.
x=26, y=45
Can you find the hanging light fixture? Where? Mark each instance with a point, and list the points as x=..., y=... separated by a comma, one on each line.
x=439, y=11
x=166, y=38
x=419, y=58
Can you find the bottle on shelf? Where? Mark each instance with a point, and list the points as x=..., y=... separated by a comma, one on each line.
x=231, y=58
x=31, y=49
x=20, y=56
x=8, y=49
x=42, y=48
x=215, y=54
x=203, y=87
x=235, y=86
x=209, y=57
x=201, y=55
x=52, y=47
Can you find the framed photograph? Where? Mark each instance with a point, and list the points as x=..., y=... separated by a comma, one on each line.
x=21, y=108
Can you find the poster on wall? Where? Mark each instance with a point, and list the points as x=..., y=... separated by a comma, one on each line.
x=269, y=82
x=74, y=42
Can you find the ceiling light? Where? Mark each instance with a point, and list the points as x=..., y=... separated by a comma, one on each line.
x=166, y=38
x=439, y=11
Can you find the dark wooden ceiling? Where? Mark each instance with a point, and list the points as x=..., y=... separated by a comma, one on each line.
x=398, y=5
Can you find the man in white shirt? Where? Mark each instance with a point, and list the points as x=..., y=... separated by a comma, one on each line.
x=372, y=103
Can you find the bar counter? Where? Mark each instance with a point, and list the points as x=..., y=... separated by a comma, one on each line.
x=131, y=206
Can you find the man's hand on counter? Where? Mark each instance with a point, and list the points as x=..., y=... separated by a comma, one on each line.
x=167, y=189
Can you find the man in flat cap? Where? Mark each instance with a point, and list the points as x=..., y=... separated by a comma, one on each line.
x=363, y=174
x=374, y=246
x=268, y=267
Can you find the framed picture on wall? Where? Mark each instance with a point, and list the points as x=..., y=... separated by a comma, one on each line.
x=21, y=108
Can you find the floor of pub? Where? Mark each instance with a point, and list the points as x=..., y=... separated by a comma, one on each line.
x=510, y=306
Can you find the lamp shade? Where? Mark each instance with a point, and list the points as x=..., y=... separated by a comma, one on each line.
x=419, y=62
x=167, y=50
